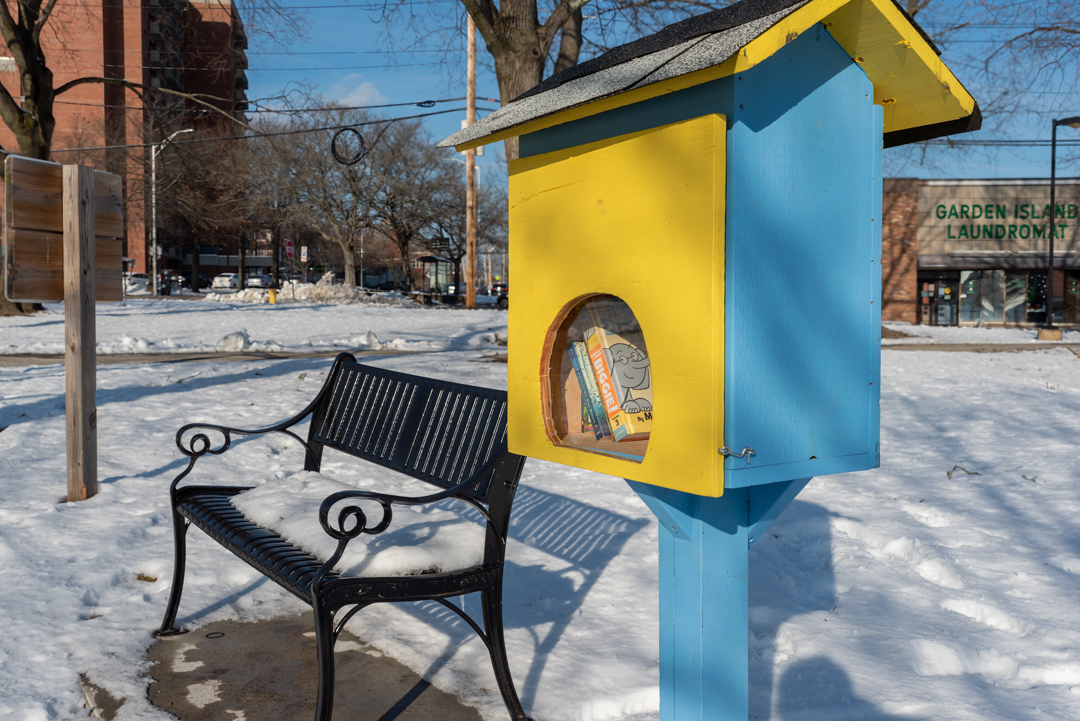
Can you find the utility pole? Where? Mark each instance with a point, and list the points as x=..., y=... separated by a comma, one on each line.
x=154, y=150
x=470, y=175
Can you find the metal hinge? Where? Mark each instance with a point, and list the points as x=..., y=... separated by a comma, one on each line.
x=726, y=452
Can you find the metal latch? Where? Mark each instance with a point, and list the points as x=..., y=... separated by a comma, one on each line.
x=726, y=452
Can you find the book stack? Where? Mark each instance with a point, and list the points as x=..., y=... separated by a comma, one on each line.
x=611, y=383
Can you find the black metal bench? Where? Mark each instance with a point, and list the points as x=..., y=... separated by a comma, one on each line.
x=447, y=434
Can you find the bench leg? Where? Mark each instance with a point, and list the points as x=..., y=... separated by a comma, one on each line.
x=493, y=626
x=180, y=528
x=324, y=649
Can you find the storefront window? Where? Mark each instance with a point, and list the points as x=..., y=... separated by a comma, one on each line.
x=1036, y=305
x=993, y=296
x=970, y=296
x=946, y=302
x=1015, y=297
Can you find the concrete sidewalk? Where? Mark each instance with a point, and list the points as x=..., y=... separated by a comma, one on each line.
x=981, y=347
x=266, y=671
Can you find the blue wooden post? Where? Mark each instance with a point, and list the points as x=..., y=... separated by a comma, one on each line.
x=704, y=585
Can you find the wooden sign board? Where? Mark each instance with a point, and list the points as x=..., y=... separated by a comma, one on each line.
x=33, y=232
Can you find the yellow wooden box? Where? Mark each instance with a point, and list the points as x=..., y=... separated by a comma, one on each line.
x=656, y=197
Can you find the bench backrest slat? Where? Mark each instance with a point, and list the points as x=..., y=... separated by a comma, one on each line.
x=436, y=431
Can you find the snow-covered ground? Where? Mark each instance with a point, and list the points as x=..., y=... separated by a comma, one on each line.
x=941, y=586
x=969, y=334
x=169, y=325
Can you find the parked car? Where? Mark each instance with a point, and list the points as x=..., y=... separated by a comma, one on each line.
x=226, y=280
x=204, y=281
x=499, y=288
x=257, y=281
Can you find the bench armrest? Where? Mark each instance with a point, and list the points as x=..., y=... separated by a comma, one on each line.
x=343, y=534
x=198, y=445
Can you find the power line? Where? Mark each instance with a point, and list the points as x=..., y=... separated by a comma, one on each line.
x=256, y=136
x=226, y=68
x=1018, y=143
x=291, y=111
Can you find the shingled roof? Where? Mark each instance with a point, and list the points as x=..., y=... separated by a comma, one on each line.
x=735, y=38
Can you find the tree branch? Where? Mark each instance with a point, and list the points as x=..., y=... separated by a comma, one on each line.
x=193, y=97
x=485, y=15
x=562, y=12
x=39, y=22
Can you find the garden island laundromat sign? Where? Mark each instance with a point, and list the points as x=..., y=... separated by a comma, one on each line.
x=1014, y=216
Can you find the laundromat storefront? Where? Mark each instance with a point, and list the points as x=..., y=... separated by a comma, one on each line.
x=983, y=249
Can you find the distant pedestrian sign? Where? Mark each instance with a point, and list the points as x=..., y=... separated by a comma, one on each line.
x=289, y=249
x=303, y=253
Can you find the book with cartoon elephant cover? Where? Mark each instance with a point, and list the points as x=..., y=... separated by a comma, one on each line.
x=621, y=365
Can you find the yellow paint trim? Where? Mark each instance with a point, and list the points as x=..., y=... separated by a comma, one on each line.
x=601, y=219
x=877, y=35
x=923, y=93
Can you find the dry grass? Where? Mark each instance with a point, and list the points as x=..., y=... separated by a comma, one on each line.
x=890, y=333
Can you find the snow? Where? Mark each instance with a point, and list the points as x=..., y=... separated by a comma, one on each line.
x=940, y=586
x=969, y=334
x=172, y=325
x=422, y=539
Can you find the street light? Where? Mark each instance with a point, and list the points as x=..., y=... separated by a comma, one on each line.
x=153, y=205
x=1048, y=327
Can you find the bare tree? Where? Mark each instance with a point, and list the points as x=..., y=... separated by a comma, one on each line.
x=491, y=221
x=303, y=181
x=522, y=44
x=204, y=194
x=411, y=175
x=28, y=40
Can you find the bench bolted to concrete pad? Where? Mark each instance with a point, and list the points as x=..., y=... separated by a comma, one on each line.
x=695, y=246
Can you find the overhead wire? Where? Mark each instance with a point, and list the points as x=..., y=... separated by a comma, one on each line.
x=255, y=136
x=294, y=111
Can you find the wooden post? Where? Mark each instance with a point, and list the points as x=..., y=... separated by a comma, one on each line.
x=470, y=175
x=80, y=352
x=704, y=611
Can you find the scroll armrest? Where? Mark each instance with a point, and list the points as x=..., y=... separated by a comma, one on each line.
x=198, y=445
x=343, y=533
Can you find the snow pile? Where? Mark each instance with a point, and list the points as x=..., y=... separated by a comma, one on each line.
x=421, y=539
x=325, y=291
x=235, y=342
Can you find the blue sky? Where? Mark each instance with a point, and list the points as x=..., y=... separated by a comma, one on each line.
x=344, y=60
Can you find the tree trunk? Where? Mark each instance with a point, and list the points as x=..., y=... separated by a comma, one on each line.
x=9, y=308
x=350, y=263
x=240, y=262
x=195, y=249
x=570, y=43
x=517, y=70
x=275, y=254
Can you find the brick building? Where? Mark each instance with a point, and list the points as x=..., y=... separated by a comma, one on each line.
x=971, y=252
x=899, y=252
x=190, y=46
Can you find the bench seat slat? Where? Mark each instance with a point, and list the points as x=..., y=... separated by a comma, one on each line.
x=210, y=510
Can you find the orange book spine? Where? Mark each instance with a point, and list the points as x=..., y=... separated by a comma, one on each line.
x=608, y=395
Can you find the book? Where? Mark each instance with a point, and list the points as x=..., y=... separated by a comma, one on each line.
x=624, y=379
x=590, y=393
